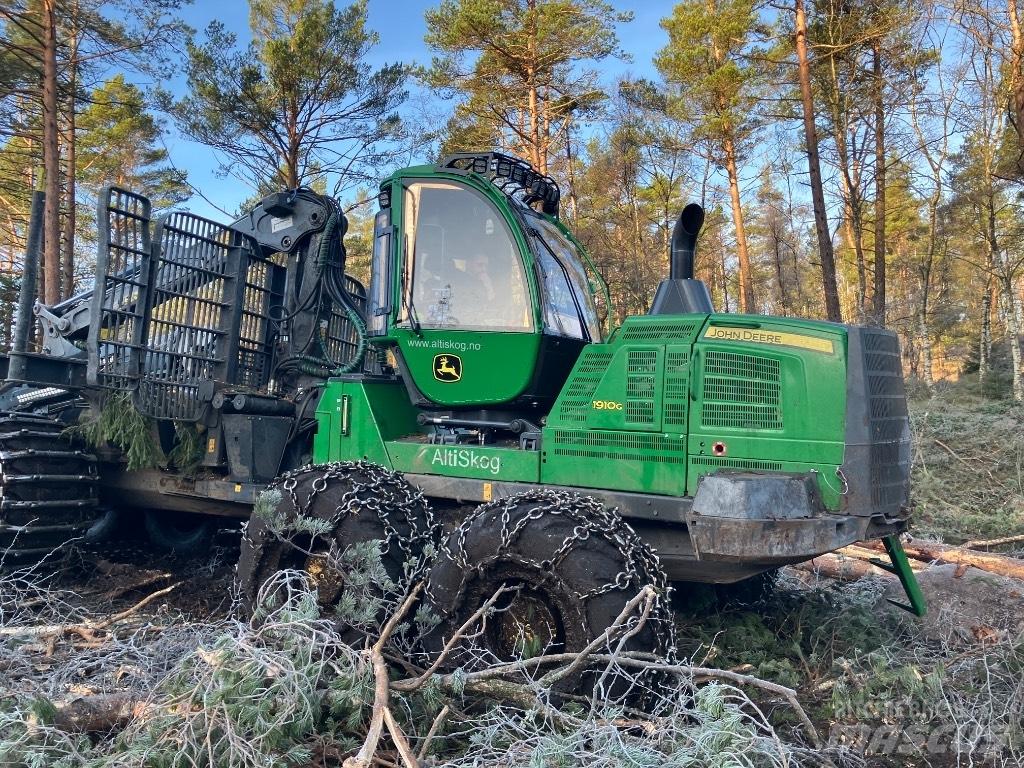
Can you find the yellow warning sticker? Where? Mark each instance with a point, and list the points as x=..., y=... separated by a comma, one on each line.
x=775, y=338
x=211, y=445
x=488, y=491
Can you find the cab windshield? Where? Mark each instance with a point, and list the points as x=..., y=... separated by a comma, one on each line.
x=462, y=268
x=568, y=303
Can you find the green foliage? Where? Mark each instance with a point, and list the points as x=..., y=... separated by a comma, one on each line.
x=188, y=449
x=118, y=423
x=118, y=143
x=282, y=523
x=708, y=62
x=265, y=508
x=515, y=66
x=299, y=103
x=790, y=636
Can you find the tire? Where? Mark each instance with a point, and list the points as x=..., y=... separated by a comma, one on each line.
x=361, y=502
x=182, y=533
x=575, y=565
x=104, y=528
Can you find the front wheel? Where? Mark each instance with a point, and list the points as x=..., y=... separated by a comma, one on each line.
x=314, y=519
x=564, y=568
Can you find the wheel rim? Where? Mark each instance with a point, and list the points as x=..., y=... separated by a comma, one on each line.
x=327, y=580
x=526, y=623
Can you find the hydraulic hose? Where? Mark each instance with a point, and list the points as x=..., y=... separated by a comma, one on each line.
x=332, y=271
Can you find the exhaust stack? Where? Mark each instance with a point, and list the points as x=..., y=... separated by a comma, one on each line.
x=680, y=293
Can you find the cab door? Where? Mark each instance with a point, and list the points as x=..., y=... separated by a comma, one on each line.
x=467, y=320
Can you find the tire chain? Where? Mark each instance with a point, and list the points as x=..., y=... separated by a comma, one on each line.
x=40, y=441
x=379, y=494
x=590, y=517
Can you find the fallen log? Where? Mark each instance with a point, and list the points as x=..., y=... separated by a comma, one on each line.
x=989, y=543
x=99, y=713
x=863, y=553
x=840, y=568
x=945, y=554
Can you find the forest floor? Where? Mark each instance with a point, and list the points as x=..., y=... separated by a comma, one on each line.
x=882, y=688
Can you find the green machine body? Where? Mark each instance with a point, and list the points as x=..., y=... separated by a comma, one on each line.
x=733, y=443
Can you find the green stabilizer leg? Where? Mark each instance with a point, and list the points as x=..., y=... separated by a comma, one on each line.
x=900, y=566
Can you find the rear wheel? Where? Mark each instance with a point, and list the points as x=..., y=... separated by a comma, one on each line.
x=47, y=489
x=183, y=533
x=309, y=518
x=565, y=566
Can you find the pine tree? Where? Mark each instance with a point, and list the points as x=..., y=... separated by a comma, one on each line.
x=515, y=66
x=118, y=143
x=717, y=88
x=299, y=102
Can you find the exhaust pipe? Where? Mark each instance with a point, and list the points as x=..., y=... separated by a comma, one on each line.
x=684, y=242
x=679, y=293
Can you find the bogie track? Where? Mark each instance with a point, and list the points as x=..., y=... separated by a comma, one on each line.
x=48, y=489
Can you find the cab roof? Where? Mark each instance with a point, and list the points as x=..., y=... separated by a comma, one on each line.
x=512, y=176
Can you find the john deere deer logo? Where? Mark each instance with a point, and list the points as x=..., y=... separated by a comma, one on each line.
x=447, y=367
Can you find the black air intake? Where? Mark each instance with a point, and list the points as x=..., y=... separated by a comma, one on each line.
x=680, y=293
x=684, y=242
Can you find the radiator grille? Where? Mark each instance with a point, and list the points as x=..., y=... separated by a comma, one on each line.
x=623, y=446
x=704, y=464
x=641, y=369
x=575, y=403
x=115, y=334
x=746, y=366
x=889, y=457
x=741, y=391
x=677, y=388
x=664, y=330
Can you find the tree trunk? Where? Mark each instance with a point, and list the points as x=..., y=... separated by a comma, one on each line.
x=51, y=158
x=985, y=340
x=853, y=228
x=746, y=280
x=570, y=174
x=1013, y=327
x=879, y=293
x=825, y=252
x=1015, y=71
x=922, y=327
x=68, y=261
x=725, y=278
x=68, y=255
x=533, y=106
x=777, y=258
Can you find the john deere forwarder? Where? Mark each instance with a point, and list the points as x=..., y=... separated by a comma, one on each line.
x=473, y=370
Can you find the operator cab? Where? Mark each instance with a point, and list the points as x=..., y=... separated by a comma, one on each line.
x=485, y=302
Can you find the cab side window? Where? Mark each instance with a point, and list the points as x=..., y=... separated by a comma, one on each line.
x=568, y=304
x=461, y=266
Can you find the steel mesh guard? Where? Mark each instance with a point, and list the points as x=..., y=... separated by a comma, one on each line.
x=342, y=340
x=264, y=292
x=208, y=318
x=114, y=344
x=889, y=452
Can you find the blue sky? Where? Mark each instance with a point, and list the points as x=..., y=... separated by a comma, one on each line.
x=400, y=25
